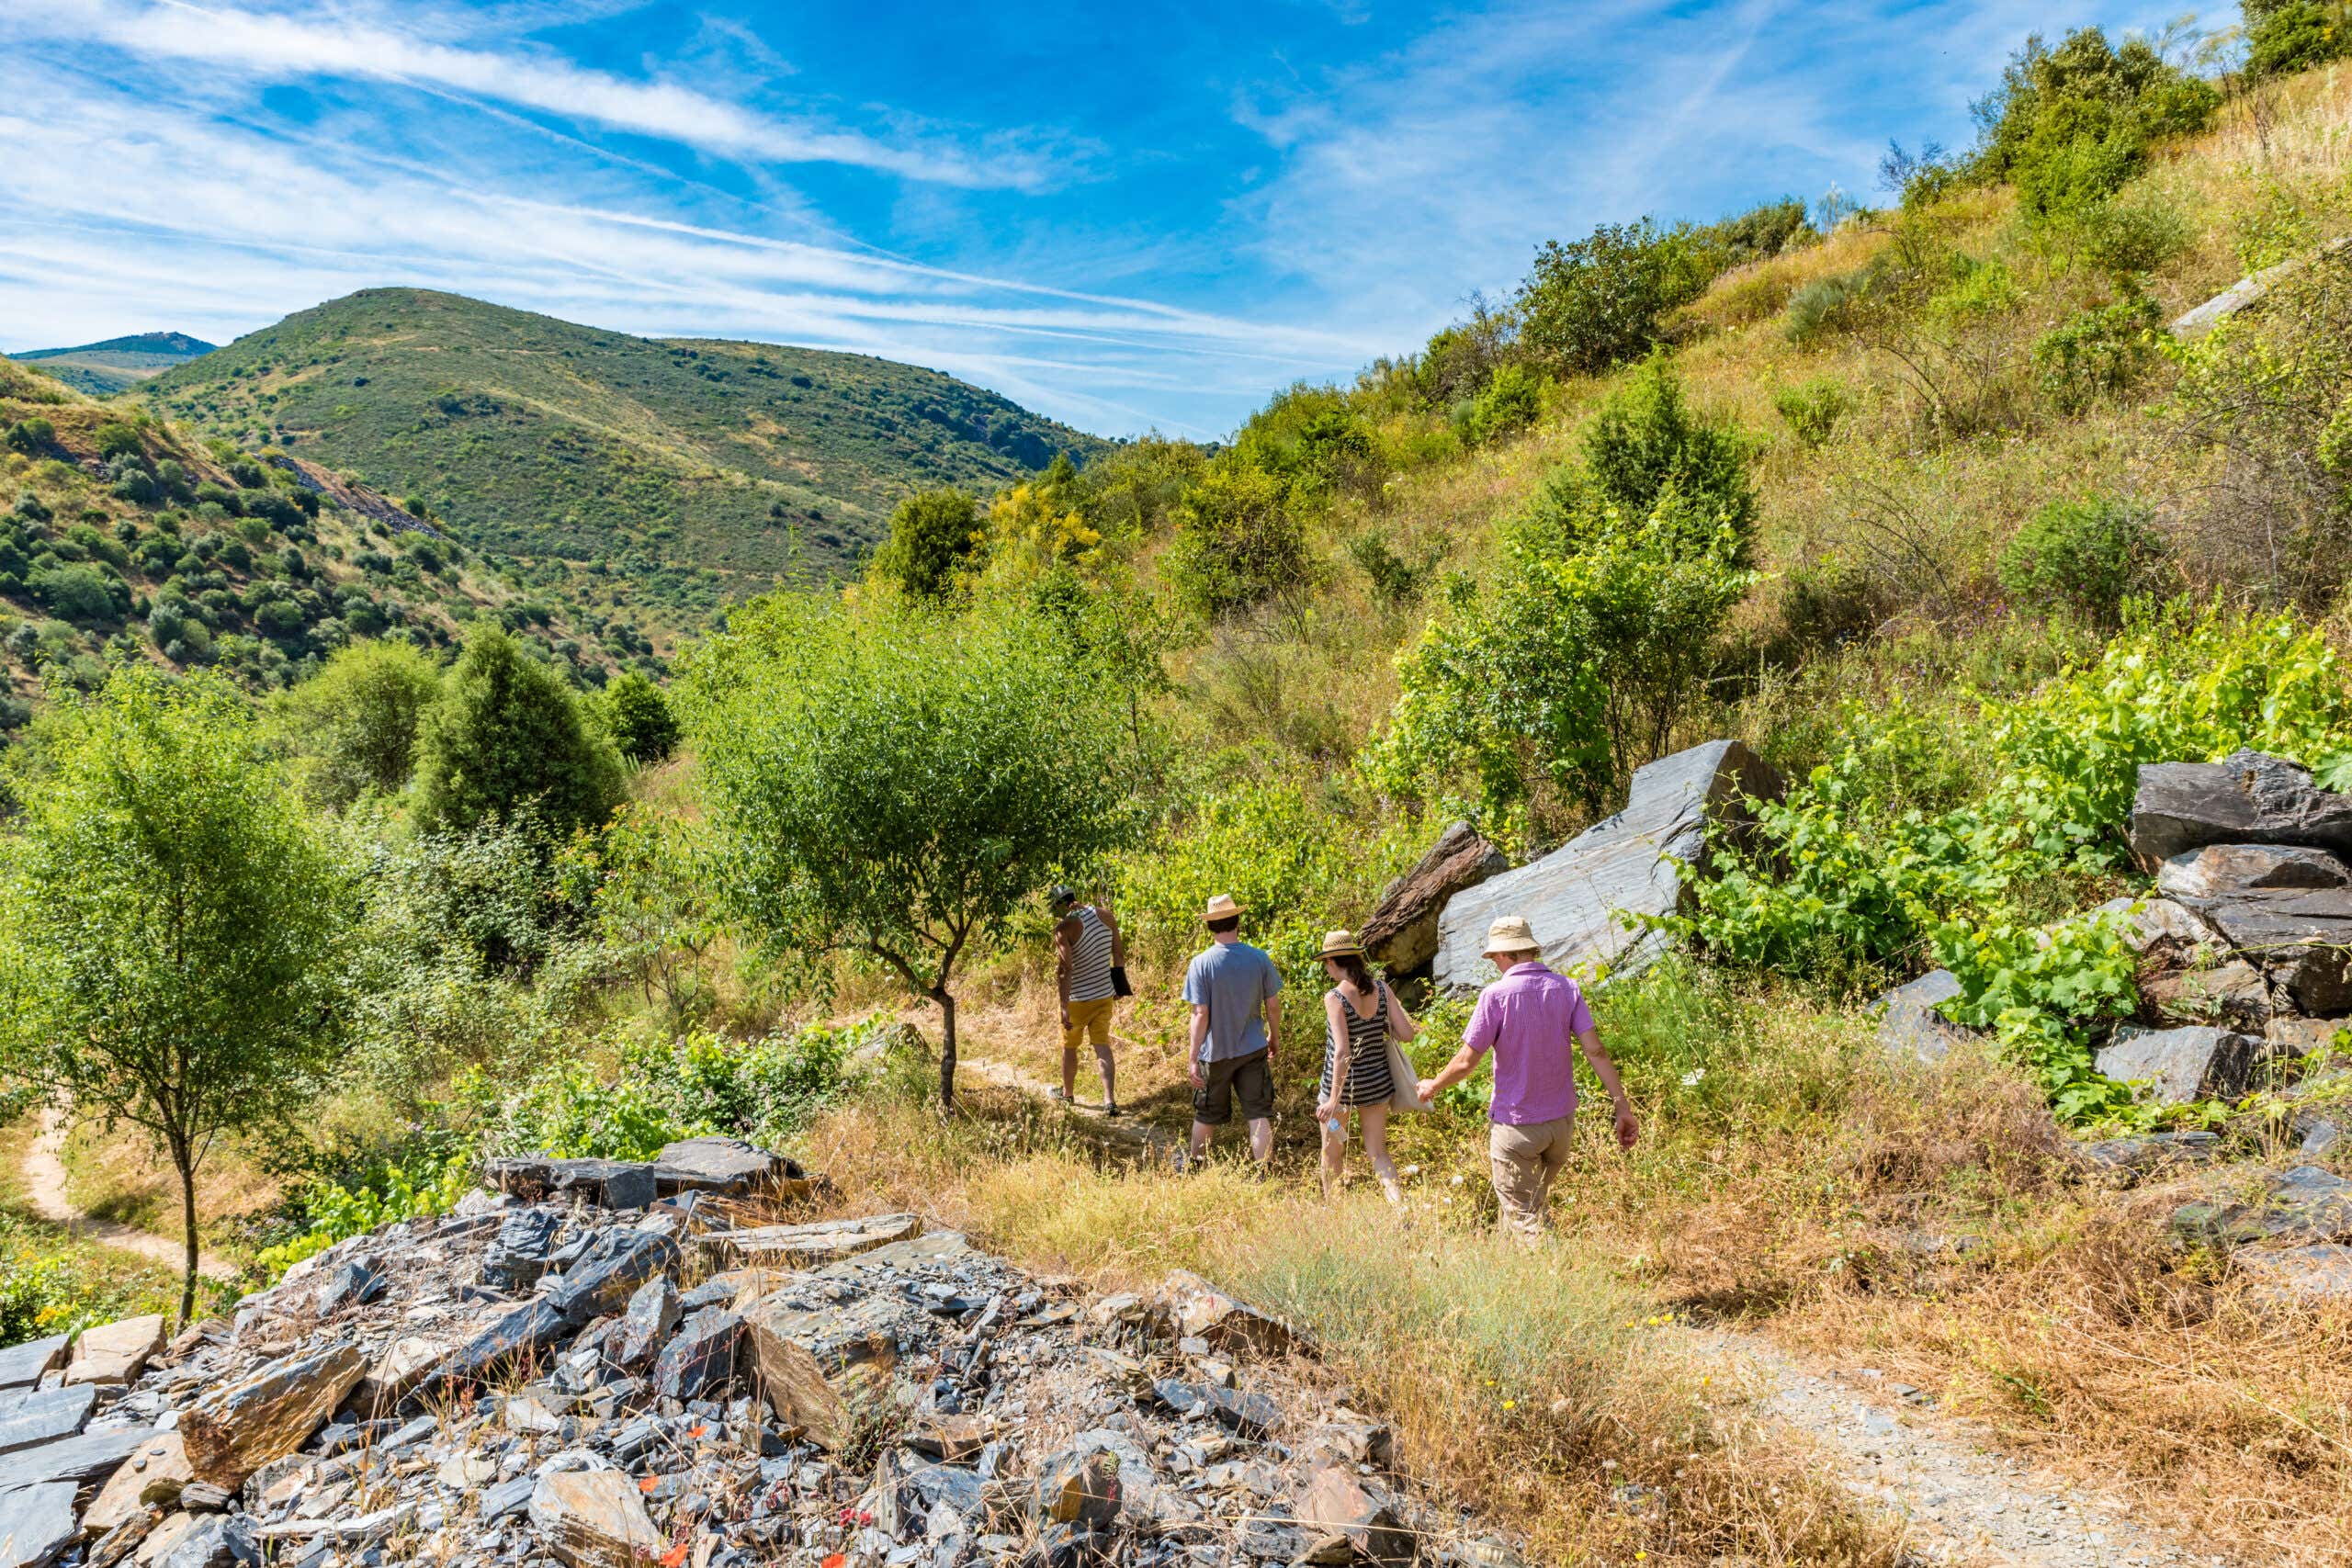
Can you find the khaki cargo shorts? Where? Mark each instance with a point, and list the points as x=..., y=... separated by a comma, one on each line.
x=1251, y=1077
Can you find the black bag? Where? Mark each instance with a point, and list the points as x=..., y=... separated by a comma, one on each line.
x=1119, y=986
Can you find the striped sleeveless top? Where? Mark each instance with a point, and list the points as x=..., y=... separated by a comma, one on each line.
x=1090, y=959
x=1369, y=1079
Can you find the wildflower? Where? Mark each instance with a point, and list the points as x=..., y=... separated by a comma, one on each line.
x=1691, y=1079
x=1510, y=1405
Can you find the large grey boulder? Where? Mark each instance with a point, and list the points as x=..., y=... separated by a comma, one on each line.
x=1402, y=932
x=1585, y=900
x=1909, y=1023
x=2247, y=797
x=2182, y=1065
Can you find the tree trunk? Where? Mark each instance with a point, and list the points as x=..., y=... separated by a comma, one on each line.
x=946, y=1049
x=186, y=1164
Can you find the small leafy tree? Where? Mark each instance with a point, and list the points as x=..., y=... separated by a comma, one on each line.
x=353, y=726
x=506, y=734
x=636, y=716
x=1597, y=302
x=172, y=926
x=2084, y=556
x=935, y=542
x=898, y=785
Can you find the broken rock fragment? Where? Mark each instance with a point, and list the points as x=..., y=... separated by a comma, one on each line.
x=1337, y=1506
x=231, y=1432
x=700, y=1356
x=594, y=1519
x=116, y=1352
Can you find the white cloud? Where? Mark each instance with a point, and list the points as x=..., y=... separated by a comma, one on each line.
x=280, y=47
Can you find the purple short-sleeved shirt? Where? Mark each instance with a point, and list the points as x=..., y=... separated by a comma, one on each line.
x=1529, y=1018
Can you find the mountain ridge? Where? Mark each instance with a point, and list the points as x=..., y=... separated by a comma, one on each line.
x=541, y=438
x=115, y=364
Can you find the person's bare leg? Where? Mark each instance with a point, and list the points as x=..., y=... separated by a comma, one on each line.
x=1070, y=1071
x=1110, y=1076
x=1261, y=1140
x=1201, y=1133
x=1335, y=1157
x=1376, y=1149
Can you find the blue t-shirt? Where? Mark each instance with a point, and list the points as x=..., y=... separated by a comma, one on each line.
x=1234, y=981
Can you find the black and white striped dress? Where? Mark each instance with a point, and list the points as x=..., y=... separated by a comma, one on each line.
x=1090, y=958
x=1369, y=1080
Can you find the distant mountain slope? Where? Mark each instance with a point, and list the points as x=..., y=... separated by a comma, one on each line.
x=104, y=368
x=538, y=438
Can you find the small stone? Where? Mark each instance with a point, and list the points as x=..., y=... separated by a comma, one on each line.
x=1334, y=1503
x=594, y=1519
x=117, y=1352
x=152, y=1475
x=1079, y=1489
x=651, y=1315
x=700, y=1356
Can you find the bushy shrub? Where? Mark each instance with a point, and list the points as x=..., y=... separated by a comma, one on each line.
x=115, y=439
x=636, y=716
x=1812, y=409
x=2131, y=236
x=506, y=735
x=2085, y=556
x=935, y=547
x=353, y=726
x=1595, y=302
x=1238, y=540
x=1511, y=402
x=80, y=592
x=2096, y=353
x=2070, y=126
x=1647, y=442
x=1827, y=305
x=2283, y=35
x=32, y=436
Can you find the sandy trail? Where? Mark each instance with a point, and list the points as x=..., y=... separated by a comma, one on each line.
x=44, y=1175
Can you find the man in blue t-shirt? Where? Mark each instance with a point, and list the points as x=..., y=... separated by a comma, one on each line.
x=1236, y=1021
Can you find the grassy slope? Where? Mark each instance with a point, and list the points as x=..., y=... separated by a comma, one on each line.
x=538, y=438
x=438, y=601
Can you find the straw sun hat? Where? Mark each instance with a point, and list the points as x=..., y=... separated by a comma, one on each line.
x=1512, y=934
x=1223, y=908
x=1341, y=944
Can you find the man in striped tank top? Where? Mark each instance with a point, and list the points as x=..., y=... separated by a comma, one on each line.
x=1087, y=947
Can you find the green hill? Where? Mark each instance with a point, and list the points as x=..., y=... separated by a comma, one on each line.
x=537, y=438
x=118, y=364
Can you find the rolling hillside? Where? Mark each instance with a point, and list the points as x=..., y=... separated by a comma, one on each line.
x=118, y=364
x=544, y=440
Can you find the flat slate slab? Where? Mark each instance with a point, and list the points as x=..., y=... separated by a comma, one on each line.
x=2219, y=870
x=2302, y=940
x=45, y=1416
x=21, y=1365
x=37, y=1524
x=2301, y=1207
x=810, y=1246
x=2304, y=1274
x=82, y=1458
x=1585, y=900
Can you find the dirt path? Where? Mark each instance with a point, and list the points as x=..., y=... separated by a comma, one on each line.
x=44, y=1175
x=1959, y=1499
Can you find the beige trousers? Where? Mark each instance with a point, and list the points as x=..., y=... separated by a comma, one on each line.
x=1525, y=1159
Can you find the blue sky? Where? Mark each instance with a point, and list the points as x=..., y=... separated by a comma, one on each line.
x=1125, y=215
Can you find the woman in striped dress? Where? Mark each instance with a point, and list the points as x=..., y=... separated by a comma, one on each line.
x=1363, y=1016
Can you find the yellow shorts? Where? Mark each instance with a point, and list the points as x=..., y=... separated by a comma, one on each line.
x=1090, y=1018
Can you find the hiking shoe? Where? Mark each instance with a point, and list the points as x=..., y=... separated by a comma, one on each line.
x=1111, y=1109
x=1057, y=1097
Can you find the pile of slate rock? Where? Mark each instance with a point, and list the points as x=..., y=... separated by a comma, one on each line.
x=2244, y=947
x=604, y=1364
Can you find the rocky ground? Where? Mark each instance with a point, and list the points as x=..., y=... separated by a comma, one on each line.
x=608, y=1364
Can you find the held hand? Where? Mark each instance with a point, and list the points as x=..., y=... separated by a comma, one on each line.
x=1329, y=1110
x=1065, y=1018
x=1426, y=1090
x=1629, y=1129
x=1270, y=1050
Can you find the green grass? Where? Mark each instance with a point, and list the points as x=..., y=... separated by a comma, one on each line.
x=537, y=438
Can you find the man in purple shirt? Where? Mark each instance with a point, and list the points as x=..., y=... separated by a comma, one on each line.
x=1534, y=1021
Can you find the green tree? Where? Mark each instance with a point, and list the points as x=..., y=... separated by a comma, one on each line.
x=172, y=926
x=635, y=714
x=1550, y=688
x=935, y=546
x=2084, y=556
x=1595, y=302
x=353, y=726
x=898, y=784
x=506, y=733
x=2294, y=35
x=1238, y=542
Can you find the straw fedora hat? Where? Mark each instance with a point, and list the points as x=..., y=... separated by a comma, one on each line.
x=1223, y=908
x=1341, y=944
x=1512, y=934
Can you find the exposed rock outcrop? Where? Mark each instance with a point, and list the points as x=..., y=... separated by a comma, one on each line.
x=1586, y=901
x=1402, y=934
